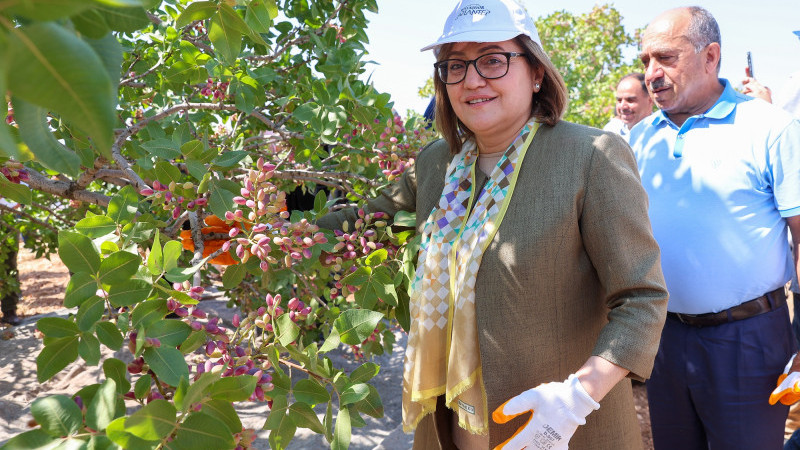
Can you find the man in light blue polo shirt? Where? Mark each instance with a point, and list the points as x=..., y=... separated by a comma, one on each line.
x=722, y=171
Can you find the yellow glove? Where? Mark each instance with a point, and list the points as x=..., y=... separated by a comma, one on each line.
x=557, y=409
x=788, y=390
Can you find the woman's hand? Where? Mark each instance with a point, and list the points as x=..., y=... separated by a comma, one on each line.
x=557, y=409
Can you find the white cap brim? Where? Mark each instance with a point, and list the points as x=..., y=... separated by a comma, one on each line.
x=475, y=36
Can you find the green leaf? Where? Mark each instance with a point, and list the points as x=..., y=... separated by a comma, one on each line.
x=223, y=34
x=331, y=342
x=129, y=292
x=198, y=390
x=167, y=173
x=220, y=199
x=58, y=71
x=126, y=20
x=116, y=370
x=405, y=219
x=91, y=23
x=371, y=404
x=119, y=267
x=46, y=9
x=258, y=16
x=305, y=417
x=109, y=50
x=56, y=355
x=109, y=335
x=341, y=435
x=167, y=363
x=178, y=275
x=95, y=226
x=170, y=332
x=230, y=158
x=365, y=372
x=172, y=251
x=155, y=260
x=35, y=132
x=89, y=349
x=233, y=276
x=142, y=386
x=356, y=325
x=201, y=430
x=58, y=415
x=287, y=331
x=123, y=205
x=377, y=257
x=193, y=342
x=233, y=389
x=356, y=421
x=180, y=394
x=57, y=327
x=116, y=432
x=354, y=393
x=162, y=148
x=196, y=11
x=281, y=425
x=34, y=439
x=89, y=313
x=310, y=392
x=224, y=412
x=77, y=252
x=15, y=192
x=193, y=149
x=148, y=312
x=153, y=422
x=379, y=287
x=101, y=411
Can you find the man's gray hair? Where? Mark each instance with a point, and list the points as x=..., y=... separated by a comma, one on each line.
x=703, y=30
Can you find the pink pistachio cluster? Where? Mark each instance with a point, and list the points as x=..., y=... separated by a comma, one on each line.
x=173, y=201
x=14, y=171
x=261, y=225
x=215, y=89
x=397, y=147
x=361, y=241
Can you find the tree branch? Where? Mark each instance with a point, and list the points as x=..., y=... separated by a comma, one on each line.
x=28, y=216
x=69, y=190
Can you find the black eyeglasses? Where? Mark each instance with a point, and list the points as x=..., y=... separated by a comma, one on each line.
x=490, y=66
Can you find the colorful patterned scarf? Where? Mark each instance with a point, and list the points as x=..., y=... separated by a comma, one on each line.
x=442, y=356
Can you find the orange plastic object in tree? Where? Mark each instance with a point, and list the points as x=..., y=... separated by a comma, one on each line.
x=215, y=225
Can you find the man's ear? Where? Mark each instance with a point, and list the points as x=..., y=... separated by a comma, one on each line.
x=713, y=54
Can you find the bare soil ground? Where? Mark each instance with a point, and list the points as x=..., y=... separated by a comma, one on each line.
x=44, y=281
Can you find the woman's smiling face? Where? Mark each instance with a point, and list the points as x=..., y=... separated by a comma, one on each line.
x=496, y=108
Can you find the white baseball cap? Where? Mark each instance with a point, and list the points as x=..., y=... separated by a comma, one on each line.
x=486, y=21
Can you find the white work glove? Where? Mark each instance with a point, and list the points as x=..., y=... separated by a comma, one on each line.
x=557, y=411
x=788, y=390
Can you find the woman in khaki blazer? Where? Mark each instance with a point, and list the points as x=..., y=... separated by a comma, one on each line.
x=538, y=263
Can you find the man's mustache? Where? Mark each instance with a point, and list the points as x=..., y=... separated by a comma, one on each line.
x=658, y=84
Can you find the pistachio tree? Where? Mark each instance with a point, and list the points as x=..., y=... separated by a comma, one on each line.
x=160, y=148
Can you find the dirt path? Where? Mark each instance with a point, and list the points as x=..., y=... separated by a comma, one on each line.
x=43, y=283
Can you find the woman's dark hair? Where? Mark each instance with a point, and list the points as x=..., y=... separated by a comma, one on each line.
x=549, y=104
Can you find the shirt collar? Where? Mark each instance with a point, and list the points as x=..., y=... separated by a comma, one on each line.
x=725, y=105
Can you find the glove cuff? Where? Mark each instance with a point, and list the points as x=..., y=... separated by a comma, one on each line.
x=581, y=403
x=788, y=367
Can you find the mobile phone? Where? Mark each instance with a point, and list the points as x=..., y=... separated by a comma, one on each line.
x=750, y=65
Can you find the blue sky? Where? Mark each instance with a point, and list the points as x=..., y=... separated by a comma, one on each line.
x=763, y=27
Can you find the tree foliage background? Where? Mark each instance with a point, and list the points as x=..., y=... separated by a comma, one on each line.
x=162, y=147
